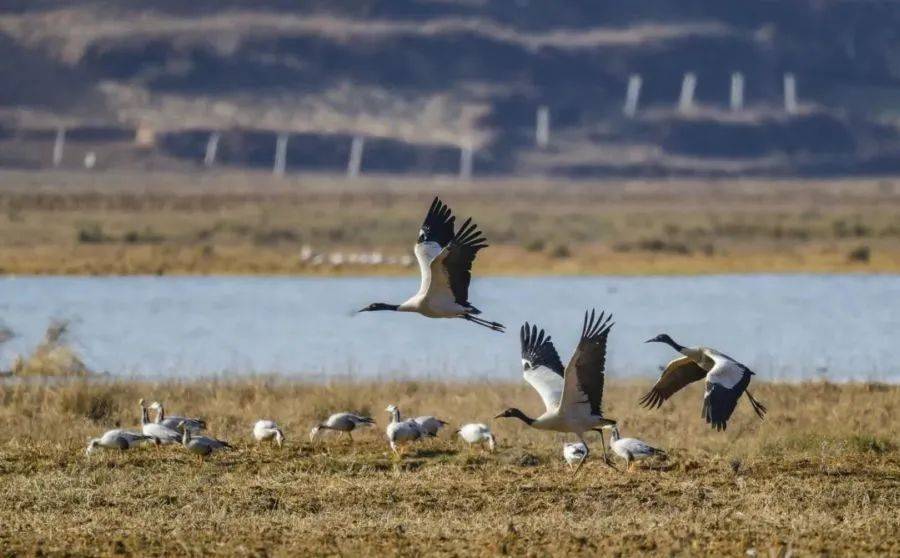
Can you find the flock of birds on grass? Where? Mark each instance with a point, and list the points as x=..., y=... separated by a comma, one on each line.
x=572, y=395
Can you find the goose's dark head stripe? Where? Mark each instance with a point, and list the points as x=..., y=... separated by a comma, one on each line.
x=538, y=349
x=590, y=358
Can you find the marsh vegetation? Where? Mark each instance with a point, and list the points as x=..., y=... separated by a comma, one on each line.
x=820, y=475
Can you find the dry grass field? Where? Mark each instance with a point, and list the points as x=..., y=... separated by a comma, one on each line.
x=245, y=223
x=820, y=476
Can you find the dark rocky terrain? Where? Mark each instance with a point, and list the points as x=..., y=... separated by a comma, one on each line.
x=421, y=78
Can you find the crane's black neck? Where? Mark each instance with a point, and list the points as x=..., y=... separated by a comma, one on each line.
x=521, y=416
x=671, y=342
x=381, y=306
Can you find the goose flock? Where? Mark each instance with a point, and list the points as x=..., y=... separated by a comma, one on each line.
x=572, y=395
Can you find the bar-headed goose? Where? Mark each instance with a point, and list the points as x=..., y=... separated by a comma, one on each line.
x=401, y=432
x=268, y=431
x=429, y=425
x=117, y=439
x=195, y=424
x=345, y=423
x=574, y=453
x=162, y=433
x=631, y=449
x=726, y=380
x=201, y=446
x=445, y=256
x=572, y=396
x=477, y=433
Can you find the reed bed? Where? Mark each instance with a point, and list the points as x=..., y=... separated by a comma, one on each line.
x=250, y=223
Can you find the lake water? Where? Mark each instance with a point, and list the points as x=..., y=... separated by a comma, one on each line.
x=782, y=326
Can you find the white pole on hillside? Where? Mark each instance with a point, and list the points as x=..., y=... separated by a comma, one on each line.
x=542, y=127
x=686, y=100
x=737, y=91
x=280, y=164
x=58, y=145
x=354, y=163
x=790, y=94
x=466, y=154
x=632, y=95
x=212, y=147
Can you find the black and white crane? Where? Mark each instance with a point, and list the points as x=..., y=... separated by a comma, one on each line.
x=726, y=380
x=445, y=256
x=572, y=396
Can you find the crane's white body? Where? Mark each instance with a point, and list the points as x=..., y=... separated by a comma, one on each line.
x=435, y=297
x=565, y=410
x=726, y=371
x=429, y=425
x=401, y=432
x=477, y=433
x=574, y=453
x=268, y=431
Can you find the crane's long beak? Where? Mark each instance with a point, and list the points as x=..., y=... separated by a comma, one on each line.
x=499, y=416
x=649, y=340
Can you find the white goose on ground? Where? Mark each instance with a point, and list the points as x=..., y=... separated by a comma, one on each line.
x=401, y=432
x=345, y=423
x=726, y=380
x=631, y=449
x=268, y=431
x=201, y=446
x=574, y=453
x=195, y=424
x=445, y=258
x=477, y=433
x=429, y=425
x=117, y=439
x=162, y=433
x=572, y=396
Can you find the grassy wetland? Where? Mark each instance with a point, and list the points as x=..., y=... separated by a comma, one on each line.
x=820, y=476
x=251, y=223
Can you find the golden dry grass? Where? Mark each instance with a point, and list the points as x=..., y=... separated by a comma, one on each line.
x=820, y=476
x=245, y=223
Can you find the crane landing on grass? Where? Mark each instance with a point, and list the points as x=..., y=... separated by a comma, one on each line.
x=445, y=256
x=726, y=380
x=572, y=396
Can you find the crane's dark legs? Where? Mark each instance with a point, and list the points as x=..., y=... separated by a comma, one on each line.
x=490, y=325
x=758, y=407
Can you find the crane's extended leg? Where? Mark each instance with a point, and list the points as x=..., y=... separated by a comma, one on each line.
x=758, y=407
x=490, y=325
